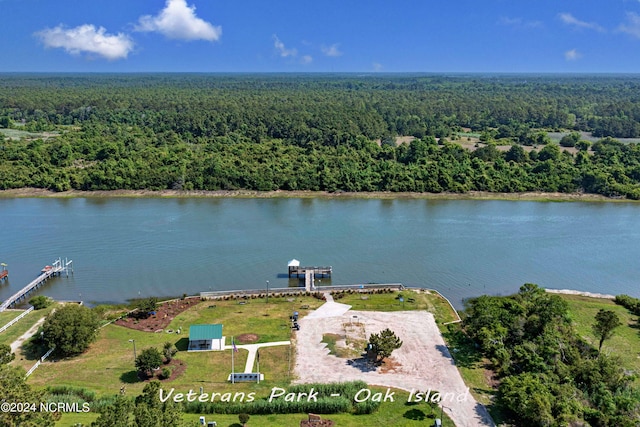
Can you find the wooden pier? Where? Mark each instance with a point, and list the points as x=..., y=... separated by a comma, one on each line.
x=4, y=273
x=295, y=270
x=57, y=268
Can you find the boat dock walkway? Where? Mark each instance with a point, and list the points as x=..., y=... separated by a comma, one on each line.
x=57, y=268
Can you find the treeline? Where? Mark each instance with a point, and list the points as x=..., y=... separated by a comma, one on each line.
x=549, y=376
x=307, y=132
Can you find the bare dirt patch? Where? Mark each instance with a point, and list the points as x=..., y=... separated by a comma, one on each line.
x=164, y=314
x=247, y=338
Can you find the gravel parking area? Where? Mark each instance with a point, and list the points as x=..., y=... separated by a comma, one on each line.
x=423, y=362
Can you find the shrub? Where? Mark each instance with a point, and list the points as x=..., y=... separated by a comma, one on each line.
x=39, y=302
x=630, y=303
x=166, y=373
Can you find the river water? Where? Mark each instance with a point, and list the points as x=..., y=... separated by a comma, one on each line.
x=123, y=248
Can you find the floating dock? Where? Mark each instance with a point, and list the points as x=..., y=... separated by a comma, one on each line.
x=295, y=270
x=57, y=268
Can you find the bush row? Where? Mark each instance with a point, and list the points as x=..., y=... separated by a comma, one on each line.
x=325, y=404
x=630, y=303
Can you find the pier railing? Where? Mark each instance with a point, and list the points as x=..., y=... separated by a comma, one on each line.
x=324, y=288
x=56, y=268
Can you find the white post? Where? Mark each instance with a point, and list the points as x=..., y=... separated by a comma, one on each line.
x=233, y=379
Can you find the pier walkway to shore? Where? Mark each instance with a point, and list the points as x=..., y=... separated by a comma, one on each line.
x=57, y=268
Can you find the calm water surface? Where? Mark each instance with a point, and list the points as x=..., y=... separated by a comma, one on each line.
x=125, y=248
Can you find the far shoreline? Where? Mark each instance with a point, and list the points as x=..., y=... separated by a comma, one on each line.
x=471, y=195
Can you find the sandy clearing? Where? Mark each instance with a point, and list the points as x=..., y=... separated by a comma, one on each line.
x=422, y=363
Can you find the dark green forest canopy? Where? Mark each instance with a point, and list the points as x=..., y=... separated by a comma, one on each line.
x=548, y=374
x=317, y=132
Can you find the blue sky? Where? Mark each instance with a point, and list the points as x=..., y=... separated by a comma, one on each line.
x=320, y=36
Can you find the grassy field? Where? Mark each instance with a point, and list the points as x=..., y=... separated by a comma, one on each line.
x=19, y=134
x=108, y=364
x=8, y=315
x=625, y=341
x=22, y=325
x=413, y=300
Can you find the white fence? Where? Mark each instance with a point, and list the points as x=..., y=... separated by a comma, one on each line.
x=34, y=367
x=24, y=313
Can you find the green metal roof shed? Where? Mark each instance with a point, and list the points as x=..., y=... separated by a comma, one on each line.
x=205, y=332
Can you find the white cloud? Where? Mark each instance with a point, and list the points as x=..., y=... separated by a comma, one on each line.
x=88, y=39
x=632, y=25
x=306, y=59
x=519, y=23
x=572, y=55
x=332, y=50
x=281, y=48
x=179, y=21
x=569, y=19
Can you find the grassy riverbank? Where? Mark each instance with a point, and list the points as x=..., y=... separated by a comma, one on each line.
x=108, y=364
x=471, y=195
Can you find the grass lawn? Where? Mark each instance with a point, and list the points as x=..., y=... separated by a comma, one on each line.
x=625, y=341
x=413, y=300
x=109, y=362
x=8, y=315
x=22, y=325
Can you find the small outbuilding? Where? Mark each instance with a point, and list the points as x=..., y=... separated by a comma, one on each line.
x=206, y=337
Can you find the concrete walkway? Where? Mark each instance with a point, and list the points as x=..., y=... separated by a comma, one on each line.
x=328, y=309
x=253, y=350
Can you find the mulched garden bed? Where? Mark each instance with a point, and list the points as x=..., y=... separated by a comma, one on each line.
x=165, y=313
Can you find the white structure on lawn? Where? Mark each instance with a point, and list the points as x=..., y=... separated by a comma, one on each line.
x=206, y=337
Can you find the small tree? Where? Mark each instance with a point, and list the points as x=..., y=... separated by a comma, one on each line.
x=149, y=359
x=146, y=306
x=169, y=350
x=606, y=322
x=71, y=329
x=244, y=419
x=6, y=355
x=383, y=344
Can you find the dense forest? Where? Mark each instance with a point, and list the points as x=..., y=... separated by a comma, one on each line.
x=319, y=132
x=548, y=374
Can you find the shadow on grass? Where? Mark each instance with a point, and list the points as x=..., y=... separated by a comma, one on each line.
x=32, y=349
x=182, y=344
x=130, y=377
x=415, y=415
x=463, y=350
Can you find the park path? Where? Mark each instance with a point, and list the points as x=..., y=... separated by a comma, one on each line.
x=22, y=338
